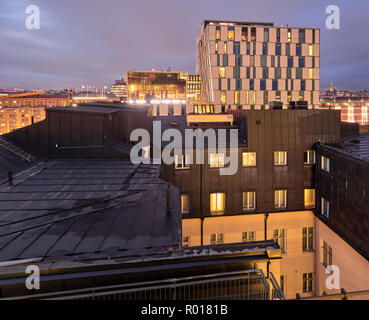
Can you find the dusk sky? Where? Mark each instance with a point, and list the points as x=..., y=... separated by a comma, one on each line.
x=96, y=42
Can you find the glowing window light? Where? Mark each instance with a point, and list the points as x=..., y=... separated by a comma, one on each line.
x=351, y=115
x=364, y=114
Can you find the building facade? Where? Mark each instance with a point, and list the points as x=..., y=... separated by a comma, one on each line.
x=248, y=65
x=119, y=89
x=193, y=88
x=144, y=86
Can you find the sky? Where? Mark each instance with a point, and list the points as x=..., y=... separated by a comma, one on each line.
x=97, y=41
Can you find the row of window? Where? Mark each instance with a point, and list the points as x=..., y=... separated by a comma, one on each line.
x=277, y=97
x=266, y=73
x=265, y=50
x=217, y=201
x=216, y=160
x=249, y=34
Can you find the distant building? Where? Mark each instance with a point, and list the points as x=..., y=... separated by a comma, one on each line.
x=19, y=117
x=119, y=89
x=250, y=64
x=159, y=86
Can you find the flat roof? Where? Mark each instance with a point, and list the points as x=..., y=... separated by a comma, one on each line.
x=87, y=209
x=244, y=23
x=353, y=146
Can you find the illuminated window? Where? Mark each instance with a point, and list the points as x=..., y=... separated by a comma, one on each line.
x=247, y=97
x=185, y=203
x=289, y=36
x=351, y=114
x=253, y=34
x=248, y=236
x=217, y=33
x=221, y=72
x=326, y=254
x=311, y=50
x=216, y=46
x=216, y=160
x=186, y=241
x=325, y=163
x=289, y=96
x=307, y=239
x=222, y=97
x=301, y=95
x=225, y=47
x=230, y=34
x=307, y=282
x=216, y=238
x=310, y=73
x=249, y=159
x=182, y=162
x=279, y=236
x=280, y=198
x=309, y=157
x=248, y=200
x=244, y=34
x=217, y=203
x=237, y=97
x=309, y=198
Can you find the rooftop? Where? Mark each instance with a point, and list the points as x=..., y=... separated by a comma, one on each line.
x=71, y=210
x=354, y=146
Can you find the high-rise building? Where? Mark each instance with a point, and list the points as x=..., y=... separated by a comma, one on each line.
x=248, y=65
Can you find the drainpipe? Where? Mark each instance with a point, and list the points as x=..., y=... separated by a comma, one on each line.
x=266, y=226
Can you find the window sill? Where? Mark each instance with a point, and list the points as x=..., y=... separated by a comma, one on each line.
x=184, y=168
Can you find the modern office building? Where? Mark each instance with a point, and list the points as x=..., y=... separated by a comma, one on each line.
x=248, y=65
x=145, y=86
x=119, y=89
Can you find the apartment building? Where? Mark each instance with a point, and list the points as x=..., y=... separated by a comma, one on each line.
x=248, y=65
x=19, y=117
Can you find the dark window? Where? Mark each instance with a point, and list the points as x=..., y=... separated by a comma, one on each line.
x=238, y=84
x=236, y=48
x=301, y=62
x=248, y=72
x=288, y=49
x=290, y=62
x=278, y=49
x=277, y=73
x=301, y=35
x=298, y=49
x=266, y=35
x=275, y=84
x=288, y=73
x=236, y=72
x=248, y=48
x=251, y=84
x=265, y=73
x=225, y=60
x=262, y=84
x=238, y=61
x=303, y=85
x=298, y=73
x=272, y=60
x=278, y=35
x=263, y=61
x=265, y=48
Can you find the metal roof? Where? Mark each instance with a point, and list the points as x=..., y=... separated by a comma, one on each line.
x=75, y=209
x=354, y=146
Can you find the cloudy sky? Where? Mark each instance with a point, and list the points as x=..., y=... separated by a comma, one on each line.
x=97, y=41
